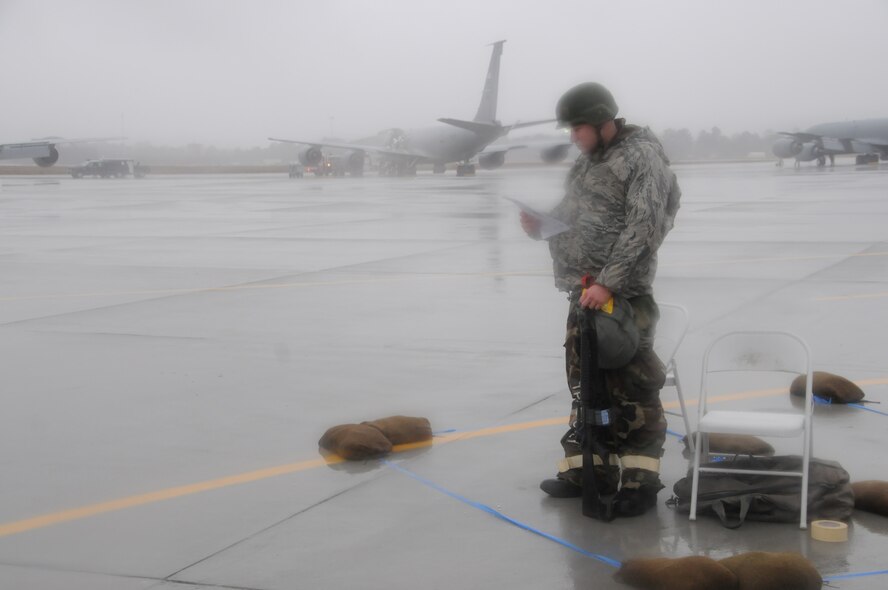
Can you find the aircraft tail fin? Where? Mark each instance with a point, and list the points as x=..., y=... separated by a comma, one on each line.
x=487, y=108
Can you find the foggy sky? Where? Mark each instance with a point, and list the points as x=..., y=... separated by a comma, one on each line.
x=233, y=73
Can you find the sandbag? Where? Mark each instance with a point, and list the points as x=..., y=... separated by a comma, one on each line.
x=734, y=444
x=355, y=441
x=871, y=496
x=836, y=389
x=683, y=573
x=401, y=430
x=758, y=570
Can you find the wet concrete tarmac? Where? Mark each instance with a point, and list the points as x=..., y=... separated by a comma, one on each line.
x=175, y=346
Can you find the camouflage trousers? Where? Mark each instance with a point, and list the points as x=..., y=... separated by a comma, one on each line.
x=639, y=429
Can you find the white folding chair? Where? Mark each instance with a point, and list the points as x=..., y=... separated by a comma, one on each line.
x=763, y=352
x=671, y=330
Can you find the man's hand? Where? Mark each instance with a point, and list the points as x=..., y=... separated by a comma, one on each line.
x=530, y=225
x=595, y=297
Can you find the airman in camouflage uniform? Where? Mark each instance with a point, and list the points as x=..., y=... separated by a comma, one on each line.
x=620, y=202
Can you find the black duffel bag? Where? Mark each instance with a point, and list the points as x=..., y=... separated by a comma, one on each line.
x=736, y=497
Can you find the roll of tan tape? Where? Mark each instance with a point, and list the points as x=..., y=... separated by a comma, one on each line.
x=832, y=531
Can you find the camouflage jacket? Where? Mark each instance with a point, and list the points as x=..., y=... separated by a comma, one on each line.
x=620, y=203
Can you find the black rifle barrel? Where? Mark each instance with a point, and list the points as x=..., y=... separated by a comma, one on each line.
x=593, y=421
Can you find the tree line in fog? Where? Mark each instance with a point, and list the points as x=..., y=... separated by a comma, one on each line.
x=680, y=144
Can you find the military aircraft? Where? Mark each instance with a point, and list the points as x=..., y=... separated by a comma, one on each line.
x=460, y=141
x=868, y=138
x=42, y=151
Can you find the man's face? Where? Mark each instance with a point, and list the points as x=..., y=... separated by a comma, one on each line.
x=585, y=137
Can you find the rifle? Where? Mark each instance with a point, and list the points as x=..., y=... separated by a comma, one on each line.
x=594, y=419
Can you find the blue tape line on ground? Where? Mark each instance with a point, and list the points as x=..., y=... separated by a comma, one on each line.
x=571, y=546
x=863, y=407
x=448, y=431
x=501, y=516
x=828, y=402
x=859, y=575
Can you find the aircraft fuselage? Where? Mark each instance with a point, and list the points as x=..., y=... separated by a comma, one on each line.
x=445, y=143
x=868, y=137
x=865, y=128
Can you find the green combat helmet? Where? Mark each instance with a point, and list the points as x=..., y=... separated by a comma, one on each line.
x=589, y=103
x=617, y=334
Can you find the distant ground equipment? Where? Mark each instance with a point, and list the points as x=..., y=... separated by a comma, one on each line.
x=109, y=168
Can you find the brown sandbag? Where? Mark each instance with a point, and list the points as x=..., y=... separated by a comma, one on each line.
x=735, y=444
x=759, y=570
x=871, y=496
x=355, y=441
x=683, y=573
x=400, y=430
x=836, y=389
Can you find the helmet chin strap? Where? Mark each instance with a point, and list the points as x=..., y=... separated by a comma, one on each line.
x=600, y=145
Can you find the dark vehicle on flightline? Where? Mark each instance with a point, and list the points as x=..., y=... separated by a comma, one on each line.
x=109, y=168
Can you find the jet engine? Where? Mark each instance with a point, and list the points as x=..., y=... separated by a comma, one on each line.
x=810, y=151
x=492, y=160
x=787, y=147
x=396, y=139
x=311, y=156
x=555, y=153
x=355, y=163
x=49, y=160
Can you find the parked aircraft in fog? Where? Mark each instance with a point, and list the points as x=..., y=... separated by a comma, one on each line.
x=42, y=151
x=459, y=141
x=868, y=138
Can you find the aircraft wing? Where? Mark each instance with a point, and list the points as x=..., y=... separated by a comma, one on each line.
x=41, y=148
x=876, y=142
x=801, y=136
x=522, y=124
x=379, y=150
x=496, y=149
x=23, y=144
x=63, y=141
x=841, y=145
x=494, y=128
x=57, y=141
x=479, y=127
x=25, y=149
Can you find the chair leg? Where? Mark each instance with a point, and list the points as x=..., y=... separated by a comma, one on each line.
x=806, y=461
x=695, y=478
x=681, y=402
